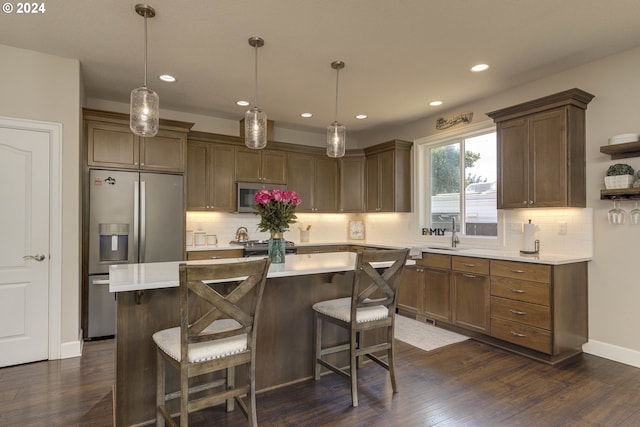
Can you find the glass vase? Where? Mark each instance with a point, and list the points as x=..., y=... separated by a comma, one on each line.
x=276, y=248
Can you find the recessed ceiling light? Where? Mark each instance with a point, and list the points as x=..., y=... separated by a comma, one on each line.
x=435, y=103
x=242, y=103
x=167, y=78
x=479, y=67
x=361, y=116
x=306, y=115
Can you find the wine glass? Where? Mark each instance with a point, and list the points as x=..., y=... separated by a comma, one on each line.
x=634, y=215
x=617, y=215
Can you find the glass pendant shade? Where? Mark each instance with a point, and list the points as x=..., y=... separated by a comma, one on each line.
x=145, y=112
x=255, y=128
x=336, y=139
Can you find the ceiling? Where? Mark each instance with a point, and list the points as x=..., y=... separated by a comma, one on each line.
x=399, y=55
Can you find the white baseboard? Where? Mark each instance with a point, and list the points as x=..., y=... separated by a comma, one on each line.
x=72, y=348
x=613, y=352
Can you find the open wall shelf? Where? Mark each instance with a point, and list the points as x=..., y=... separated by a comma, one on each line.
x=621, y=151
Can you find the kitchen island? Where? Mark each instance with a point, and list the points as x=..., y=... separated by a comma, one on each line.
x=147, y=296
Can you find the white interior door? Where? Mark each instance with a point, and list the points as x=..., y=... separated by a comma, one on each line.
x=24, y=246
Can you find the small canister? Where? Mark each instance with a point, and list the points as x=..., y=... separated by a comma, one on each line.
x=212, y=240
x=200, y=238
x=189, y=238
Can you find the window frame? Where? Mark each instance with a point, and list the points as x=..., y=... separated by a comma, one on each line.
x=422, y=166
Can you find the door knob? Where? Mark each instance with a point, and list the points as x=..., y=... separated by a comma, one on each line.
x=38, y=257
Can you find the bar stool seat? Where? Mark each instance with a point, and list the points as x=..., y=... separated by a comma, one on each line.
x=169, y=341
x=340, y=309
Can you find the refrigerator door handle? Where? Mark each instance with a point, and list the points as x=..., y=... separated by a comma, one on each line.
x=143, y=216
x=136, y=219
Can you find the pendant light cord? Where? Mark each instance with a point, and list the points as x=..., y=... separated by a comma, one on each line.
x=145, y=50
x=255, y=99
x=337, y=80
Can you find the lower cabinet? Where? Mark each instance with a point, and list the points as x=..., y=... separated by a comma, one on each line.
x=470, y=293
x=411, y=291
x=214, y=254
x=319, y=249
x=425, y=290
x=537, y=310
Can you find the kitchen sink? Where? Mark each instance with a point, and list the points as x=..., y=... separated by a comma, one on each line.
x=445, y=248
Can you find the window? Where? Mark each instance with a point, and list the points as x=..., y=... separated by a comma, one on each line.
x=456, y=183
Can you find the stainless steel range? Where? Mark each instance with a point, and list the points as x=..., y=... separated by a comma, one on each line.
x=261, y=247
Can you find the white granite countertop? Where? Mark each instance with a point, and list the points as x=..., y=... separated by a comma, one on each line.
x=543, y=257
x=157, y=275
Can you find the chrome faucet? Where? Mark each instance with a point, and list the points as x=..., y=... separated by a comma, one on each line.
x=454, y=236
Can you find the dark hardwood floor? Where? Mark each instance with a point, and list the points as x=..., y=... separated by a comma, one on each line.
x=465, y=384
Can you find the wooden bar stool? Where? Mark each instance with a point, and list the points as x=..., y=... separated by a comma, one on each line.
x=219, y=311
x=372, y=305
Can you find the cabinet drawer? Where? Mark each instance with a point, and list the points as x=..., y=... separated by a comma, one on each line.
x=316, y=249
x=470, y=264
x=521, y=270
x=223, y=253
x=522, y=312
x=521, y=290
x=435, y=261
x=524, y=335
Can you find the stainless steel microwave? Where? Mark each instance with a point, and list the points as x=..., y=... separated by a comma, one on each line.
x=248, y=190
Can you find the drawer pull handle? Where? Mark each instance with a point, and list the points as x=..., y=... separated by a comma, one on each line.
x=517, y=291
x=515, y=334
x=517, y=271
x=519, y=313
x=468, y=264
x=470, y=276
x=214, y=257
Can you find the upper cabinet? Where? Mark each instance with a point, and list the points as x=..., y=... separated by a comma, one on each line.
x=352, y=183
x=315, y=178
x=541, y=152
x=388, y=177
x=111, y=144
x=210, y=174
x=263, y=166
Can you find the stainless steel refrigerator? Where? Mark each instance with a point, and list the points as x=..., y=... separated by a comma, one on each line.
x=134, y=217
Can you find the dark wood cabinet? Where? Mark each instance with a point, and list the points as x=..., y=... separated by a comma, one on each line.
x=541, y=152
x=388, y=177
x=352, y=183
x=264, y=166
x=540, y=307
x=411, y=291
x=214, y=254
x=319, y=249
x=471, y=292
x=210, y=176
x=315, y=179
x=426, y=288
x=111, y=144
x=437, y=294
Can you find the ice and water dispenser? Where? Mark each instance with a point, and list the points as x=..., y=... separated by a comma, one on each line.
x=114, y=242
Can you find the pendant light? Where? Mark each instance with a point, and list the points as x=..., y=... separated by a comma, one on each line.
x=255, y=120
x=336, y=133
x=145, y=104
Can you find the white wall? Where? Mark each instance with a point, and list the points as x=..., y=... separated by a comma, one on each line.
x=43, y=87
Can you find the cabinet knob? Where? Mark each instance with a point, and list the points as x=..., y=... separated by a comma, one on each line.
x=525, y=203
x=530, y=202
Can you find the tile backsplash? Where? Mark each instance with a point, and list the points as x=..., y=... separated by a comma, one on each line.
x=560, y=230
